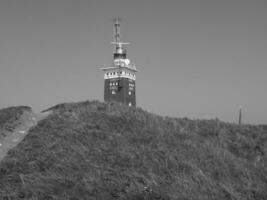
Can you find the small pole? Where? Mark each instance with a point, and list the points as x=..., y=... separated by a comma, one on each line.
x=240, y=115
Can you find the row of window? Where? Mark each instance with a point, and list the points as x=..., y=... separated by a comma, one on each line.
x=120, y=72
x=114, y=92
x=114, y=83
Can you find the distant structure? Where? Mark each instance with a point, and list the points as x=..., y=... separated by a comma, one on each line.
x=240, y=116
x=121, y=75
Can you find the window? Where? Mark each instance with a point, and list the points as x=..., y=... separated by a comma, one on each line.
x=110, y=84
x=130, y=92
x=130, y=104
x=113, y=92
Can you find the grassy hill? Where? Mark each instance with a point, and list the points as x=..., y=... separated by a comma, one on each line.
x=93, y=150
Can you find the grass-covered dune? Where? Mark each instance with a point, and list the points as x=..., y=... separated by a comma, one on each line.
x=94, y=150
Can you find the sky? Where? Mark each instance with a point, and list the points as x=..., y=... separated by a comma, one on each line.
x=199, y=59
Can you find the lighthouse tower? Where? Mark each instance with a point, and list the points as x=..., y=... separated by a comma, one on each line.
x=121, y=75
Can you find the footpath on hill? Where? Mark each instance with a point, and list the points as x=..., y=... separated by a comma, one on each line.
x=15, y=135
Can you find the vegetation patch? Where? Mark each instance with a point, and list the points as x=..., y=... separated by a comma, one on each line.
x=9, y=119
x=93, y=150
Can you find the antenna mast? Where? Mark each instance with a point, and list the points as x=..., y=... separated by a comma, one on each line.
x=117, y=30
x=119, y=50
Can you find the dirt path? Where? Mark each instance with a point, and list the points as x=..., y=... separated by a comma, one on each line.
x=26, y=121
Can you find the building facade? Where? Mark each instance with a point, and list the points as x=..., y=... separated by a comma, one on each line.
x=120, y=77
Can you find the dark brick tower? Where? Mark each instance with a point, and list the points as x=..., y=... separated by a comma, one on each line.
x=120, y=77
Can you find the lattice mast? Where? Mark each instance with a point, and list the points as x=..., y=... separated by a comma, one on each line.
x=117, y=30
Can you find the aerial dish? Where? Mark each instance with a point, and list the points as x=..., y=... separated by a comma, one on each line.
x=127, y=61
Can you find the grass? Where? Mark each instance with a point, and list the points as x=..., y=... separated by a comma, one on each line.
x=93, y=150
x=9, y=118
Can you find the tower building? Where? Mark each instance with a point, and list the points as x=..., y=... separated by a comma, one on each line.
x=120, y=77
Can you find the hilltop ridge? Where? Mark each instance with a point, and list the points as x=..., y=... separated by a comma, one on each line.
x=93, y=150
x=14, y=125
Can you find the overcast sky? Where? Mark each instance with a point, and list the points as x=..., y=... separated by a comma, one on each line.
x=199, y=59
